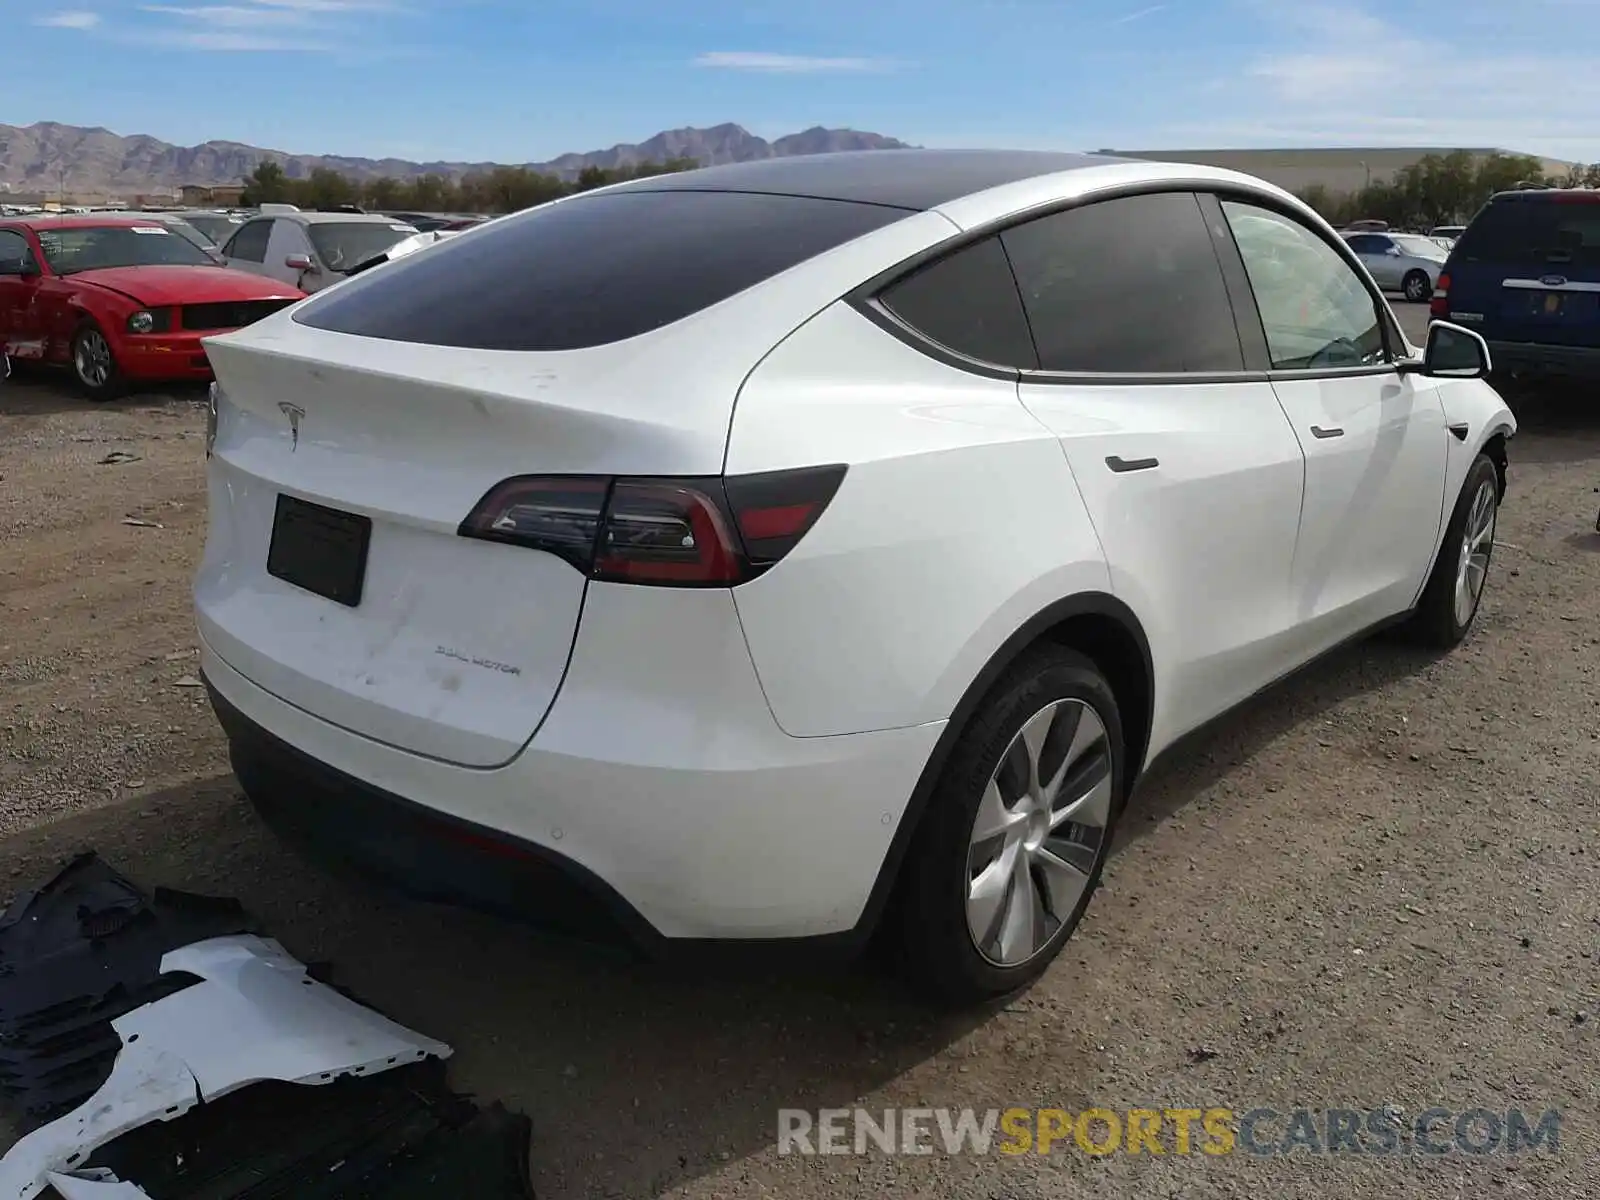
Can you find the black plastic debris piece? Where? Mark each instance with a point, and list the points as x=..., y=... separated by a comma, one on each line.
x=488, y=1157
x=398, y=1135
x=75, y=954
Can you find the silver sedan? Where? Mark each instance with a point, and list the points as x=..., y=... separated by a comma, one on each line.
x=1401, y=262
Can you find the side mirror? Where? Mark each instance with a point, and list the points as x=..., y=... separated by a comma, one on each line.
x=299, y=262
x=19, y=268
x=1454, y=353
x=1393, y=251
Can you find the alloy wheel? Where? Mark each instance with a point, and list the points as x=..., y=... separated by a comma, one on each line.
x=1416, y=288
x=1039, y=833
x=92, y=358
x=1477, y=543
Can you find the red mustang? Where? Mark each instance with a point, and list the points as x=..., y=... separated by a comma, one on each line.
x=120, y=300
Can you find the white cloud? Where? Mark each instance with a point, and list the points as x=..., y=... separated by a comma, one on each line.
x=1345, y=75
x=69, y=20
x=794, y=64
x=230, y=15
x=228, y=42
x=257, y=26
x=1140, y=14
x=327, y=6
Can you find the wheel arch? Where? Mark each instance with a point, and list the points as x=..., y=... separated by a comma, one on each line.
x=1495, y=447
x=1098, y=626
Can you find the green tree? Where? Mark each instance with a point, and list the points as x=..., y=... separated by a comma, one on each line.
x=1435, y=190
x=430, y=193
x=501, y=190
x=267, y=184
x=327, y=188
x=384, y=193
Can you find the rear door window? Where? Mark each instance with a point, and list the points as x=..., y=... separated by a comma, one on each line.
x=967, y=302
x=250, y=243
x=1534, y=232
x=591, y=270
x=1129, y=286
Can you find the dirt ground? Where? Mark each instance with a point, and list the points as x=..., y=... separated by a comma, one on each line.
x=1378, y=884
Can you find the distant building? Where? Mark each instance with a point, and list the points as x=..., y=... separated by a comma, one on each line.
x=1337, y=169
x=196, y=195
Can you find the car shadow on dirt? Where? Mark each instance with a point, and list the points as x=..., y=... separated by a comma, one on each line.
x=1201, y=759
x=637, y=1078
x=38, y=391
x=1555, y=423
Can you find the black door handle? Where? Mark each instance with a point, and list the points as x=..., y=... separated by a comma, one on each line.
x=1460, y=429
x=1121, y=465
x=1319, y=432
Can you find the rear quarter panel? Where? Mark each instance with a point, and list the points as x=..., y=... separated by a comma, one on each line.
x=957, y=521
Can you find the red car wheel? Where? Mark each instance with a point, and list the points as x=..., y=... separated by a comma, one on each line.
x=94, y=365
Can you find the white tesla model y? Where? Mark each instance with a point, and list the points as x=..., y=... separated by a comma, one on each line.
x=767, y=553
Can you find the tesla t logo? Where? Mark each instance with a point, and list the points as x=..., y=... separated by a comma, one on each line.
x=295, y=414
x=1554, y=280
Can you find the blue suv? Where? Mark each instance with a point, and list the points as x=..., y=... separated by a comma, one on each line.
x=1526, y=275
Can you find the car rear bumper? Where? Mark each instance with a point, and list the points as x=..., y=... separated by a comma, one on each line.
x=710, y=826
x=1533, y=358
x=165, y=356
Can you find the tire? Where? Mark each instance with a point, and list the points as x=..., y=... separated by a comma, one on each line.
x=1443, y=616
x=936, y=935
x=95, y=369
x=1416, y=287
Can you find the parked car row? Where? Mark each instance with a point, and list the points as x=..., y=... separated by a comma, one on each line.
x=315, y=249
x=1408, y=263
x=116, y=298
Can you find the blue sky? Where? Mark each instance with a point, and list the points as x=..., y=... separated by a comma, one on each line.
x=504, y=81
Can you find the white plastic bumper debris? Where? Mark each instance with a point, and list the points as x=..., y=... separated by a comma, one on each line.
x=88, y=1185
x=255, y=1016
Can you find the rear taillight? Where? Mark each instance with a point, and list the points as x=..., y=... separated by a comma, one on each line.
x=1439, y=306
x=667, y=532
x=705, y=532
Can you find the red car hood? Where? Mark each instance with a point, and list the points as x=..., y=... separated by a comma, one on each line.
x=162, y=286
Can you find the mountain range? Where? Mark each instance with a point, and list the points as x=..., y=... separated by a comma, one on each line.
x=46, y=155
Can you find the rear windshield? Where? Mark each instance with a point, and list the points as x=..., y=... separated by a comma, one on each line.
x=1536, y=231
x=591, y=270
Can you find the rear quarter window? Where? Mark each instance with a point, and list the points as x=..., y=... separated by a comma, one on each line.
x=591, y=270
x=967, y=302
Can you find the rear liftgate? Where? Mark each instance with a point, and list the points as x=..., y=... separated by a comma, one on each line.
x=157, y=1047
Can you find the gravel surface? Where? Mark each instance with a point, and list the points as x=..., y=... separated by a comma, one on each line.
x=1376, y=885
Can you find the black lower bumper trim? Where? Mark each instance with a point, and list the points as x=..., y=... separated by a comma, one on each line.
x=343, y=822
